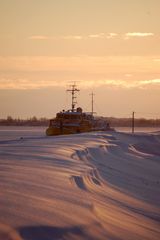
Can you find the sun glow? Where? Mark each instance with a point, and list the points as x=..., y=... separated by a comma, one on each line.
x=36, y=72
x=100, y=45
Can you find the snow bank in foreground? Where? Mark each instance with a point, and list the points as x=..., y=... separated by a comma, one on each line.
x=87, y=186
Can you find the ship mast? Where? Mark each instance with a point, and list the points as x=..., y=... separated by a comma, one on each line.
x=73, y=90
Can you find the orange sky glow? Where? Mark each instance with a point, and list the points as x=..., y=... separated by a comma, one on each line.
x=109, y=47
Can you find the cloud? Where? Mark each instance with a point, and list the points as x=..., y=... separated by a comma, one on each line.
x=102, y=35
x=72, y=37
x=28, y=84
x=34, y=72
x=156, y=59
x=39, y=37
x=75, y=37
x=24, y=83
x=138, y=34
x=111, y=35
x=128, y=75
x=152, y=81
x=83, y=63
x=66, y=37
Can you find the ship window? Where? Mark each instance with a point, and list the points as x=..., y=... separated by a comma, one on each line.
x=52, y=123
x=69, y=116
x=75, y=117
x=59, y=115
x=66, y=117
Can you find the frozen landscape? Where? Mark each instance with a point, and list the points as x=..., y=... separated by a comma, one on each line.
x=91, y=186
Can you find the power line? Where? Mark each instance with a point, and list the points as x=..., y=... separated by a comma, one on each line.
x=92, y=102
x=133, y=122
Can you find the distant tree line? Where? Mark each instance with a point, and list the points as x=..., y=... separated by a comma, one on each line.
x=114, y=122
x=138, y=122
x=33, y=121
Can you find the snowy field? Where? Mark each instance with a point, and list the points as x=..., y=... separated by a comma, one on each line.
x=91, y=186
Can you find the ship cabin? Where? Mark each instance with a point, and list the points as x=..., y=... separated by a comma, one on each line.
x=71, y=118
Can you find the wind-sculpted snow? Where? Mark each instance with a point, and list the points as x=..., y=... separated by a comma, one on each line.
x=87, y=186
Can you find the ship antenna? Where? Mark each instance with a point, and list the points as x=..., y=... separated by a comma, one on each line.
x=92, y=102
x=73, y=90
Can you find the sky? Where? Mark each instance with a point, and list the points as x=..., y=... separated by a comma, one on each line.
x=109, y=47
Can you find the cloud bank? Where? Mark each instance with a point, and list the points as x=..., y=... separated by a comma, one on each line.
x=24, y=84
x=102, y=35
x=37, y=72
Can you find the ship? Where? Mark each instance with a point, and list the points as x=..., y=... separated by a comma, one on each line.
x=75, y=120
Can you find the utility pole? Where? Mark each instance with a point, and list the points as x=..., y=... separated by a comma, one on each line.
x=133, y=122
x=92, y=102
x=73, y=90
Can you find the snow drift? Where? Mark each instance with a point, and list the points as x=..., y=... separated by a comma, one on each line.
x=87, y=186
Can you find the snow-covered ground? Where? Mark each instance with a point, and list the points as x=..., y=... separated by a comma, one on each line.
x=91, y=186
